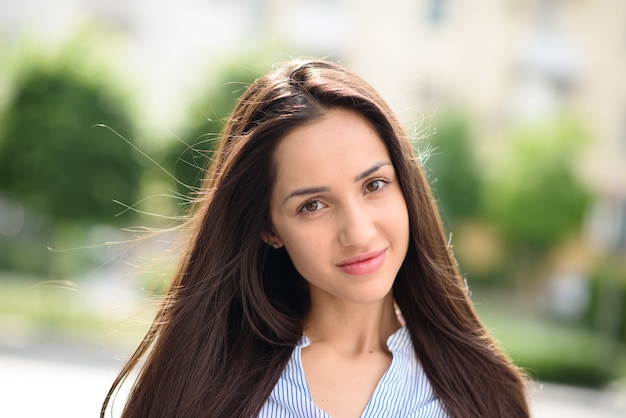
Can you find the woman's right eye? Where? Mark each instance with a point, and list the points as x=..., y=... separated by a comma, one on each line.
x=311, y=206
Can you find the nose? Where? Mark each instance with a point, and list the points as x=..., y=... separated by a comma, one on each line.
x=356, y=225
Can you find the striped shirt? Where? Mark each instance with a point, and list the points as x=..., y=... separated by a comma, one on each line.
x=403, y=392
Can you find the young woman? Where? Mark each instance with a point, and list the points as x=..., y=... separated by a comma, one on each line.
x=317, y=281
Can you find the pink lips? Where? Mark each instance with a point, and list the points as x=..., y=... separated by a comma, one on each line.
x=363, y=264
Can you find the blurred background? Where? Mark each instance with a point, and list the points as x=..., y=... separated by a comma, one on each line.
x=108, y=109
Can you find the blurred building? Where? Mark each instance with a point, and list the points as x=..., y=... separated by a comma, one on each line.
x=510, y=61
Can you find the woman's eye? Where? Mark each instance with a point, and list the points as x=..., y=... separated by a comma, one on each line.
x=311, y=206
x=375, y=185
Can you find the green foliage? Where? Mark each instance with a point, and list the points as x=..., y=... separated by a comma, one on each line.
x=606, y=313
x=52, y=158
x=551, y=351
x=189, y=157
x=453, y=169
x=63, y=309
x=533, y=195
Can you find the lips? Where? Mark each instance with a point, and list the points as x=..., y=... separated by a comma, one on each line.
x=363, y=264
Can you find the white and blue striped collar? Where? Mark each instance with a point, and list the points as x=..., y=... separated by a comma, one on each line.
x=400, y=340
x=403, y=392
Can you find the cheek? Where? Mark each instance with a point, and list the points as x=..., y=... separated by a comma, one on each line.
x=403, y=213
x=398, y=217
x=307, y=249
x=306, y=243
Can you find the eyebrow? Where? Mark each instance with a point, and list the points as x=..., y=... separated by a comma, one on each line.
x=306, y=191
x=371, y=170
x=313, y=190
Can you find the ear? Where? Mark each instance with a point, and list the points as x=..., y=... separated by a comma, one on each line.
x=271, y=239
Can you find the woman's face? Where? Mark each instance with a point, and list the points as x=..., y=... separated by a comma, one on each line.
x=338, y=209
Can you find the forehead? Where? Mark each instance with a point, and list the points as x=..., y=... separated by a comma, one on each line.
x=341, y=142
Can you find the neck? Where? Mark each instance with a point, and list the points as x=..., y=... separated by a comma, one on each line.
x=353, y=328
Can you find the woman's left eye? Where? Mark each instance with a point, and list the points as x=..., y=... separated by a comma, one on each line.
x=375, y=185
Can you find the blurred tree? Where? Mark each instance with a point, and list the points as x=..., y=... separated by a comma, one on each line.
x=533, y=194
x=207, y=114
x=55, y=164
x=52, y=158
x=453, y=169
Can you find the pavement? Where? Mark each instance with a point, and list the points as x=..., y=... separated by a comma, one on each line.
x=558, y=401
x=51, y=381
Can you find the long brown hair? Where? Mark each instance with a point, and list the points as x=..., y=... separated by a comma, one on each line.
x=236, y=308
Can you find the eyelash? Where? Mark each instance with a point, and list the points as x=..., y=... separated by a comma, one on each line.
x=381, y=180
x=302, y=208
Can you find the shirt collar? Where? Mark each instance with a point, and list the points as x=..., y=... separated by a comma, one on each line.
x=400, y=340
